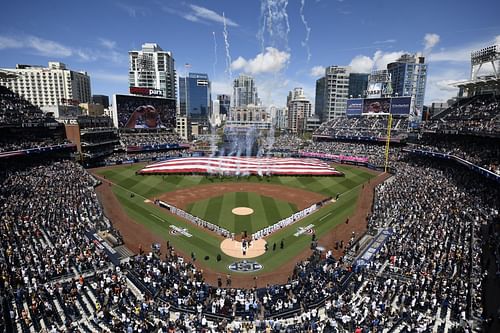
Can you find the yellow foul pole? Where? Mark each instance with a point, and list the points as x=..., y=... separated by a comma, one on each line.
x=387, y=142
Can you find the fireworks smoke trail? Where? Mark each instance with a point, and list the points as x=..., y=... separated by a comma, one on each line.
x=228, y=55
x=215, y=54
x=305, y=43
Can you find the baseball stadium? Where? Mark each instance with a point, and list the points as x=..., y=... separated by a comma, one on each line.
x=280, y=193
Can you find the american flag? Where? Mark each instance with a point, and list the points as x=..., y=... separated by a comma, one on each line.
x=229, y=165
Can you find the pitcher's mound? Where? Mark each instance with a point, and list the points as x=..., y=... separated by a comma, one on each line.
x=242, y=211
x=234, y=248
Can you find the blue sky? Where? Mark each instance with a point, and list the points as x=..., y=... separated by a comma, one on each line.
x=283, y=44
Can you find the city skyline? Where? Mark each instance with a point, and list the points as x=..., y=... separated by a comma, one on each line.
x=281, y=44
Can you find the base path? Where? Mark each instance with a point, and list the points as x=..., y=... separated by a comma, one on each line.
x=138, y=236
x=183, y=197
x=234, y=248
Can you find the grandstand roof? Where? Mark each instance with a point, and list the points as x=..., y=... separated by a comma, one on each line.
x=479, y=82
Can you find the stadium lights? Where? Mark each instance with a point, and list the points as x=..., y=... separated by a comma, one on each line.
x=486, y=54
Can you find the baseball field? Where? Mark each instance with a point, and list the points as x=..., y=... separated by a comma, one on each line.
x=265, y=200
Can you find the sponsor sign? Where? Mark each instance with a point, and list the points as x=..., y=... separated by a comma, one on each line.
x=245, y=266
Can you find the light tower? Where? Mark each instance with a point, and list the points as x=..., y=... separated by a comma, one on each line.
x=490, y=54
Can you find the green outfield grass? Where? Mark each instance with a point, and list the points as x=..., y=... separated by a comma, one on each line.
x=218, y=210
x=158, y=220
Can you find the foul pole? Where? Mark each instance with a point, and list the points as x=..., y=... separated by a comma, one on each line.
x=388, y=141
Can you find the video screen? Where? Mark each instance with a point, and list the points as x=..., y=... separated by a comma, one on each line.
x=377, y=105
x=145, y=112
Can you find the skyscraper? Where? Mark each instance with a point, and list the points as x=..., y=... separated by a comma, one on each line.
x=152, y=72
x=358, y=83
x=244, y=91
x=224, y=103
x=299, y=109
x=49, y=86
x=336, y=91
x=195, y=97
x=319, y=102
x=408, y=77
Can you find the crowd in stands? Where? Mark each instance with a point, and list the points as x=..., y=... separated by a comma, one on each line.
x=483, y=152
x=13, y=144
x=285, y=143
x=367, y=127
x=145, y=156
x=149, y=138
x=15, y=110
x=481, y=115
x=427, y=276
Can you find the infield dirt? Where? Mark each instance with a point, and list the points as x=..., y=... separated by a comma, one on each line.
x=136, y=235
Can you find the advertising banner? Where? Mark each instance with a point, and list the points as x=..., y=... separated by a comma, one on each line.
x=354, y=107
x=400, y=105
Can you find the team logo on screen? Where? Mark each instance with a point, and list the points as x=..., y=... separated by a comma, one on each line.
x=245, y=266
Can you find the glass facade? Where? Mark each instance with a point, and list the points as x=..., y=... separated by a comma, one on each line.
x=358, y=82
x=195, y=97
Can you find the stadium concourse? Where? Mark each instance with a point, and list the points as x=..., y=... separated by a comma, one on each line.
x=429, y=263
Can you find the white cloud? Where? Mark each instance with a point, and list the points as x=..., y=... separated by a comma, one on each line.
x=317, y=71
x=210, y=15
x=430, y=40
x=109, y=44
x=47, y=47
x=438, y=88
x=199, y=14
x=9, y=43
x=361, y=64
x=42, y=46
x=364, y=64
x=382, y=58
x=239, y=63
x=53, y=49
x=133, y=11
x=387, y=41
x=497, y=40
x=271, y=61
x=461, y=53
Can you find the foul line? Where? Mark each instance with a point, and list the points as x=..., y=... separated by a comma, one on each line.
x=321, y=219
x=156, y=216
x=123, y=188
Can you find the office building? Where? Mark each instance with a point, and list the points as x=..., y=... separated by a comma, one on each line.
x=358, y=82
x=408, y=77
x=195, y=97
x=48, y=86
x=336, y=91
x=101, y=99
x=299, y=109
x=152, y=72
x=244, y=92
x=224, y=104
x=319, y=102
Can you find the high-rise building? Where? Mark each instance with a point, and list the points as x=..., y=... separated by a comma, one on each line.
x=319, y=102
x=224, y=103
x=244, y=91
x=152, y=72
x=408, y=77
x=195, y=97
x=49, y=86
x=101, y=99
x=336, y=91
x=358, y=82
x=299, y=109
